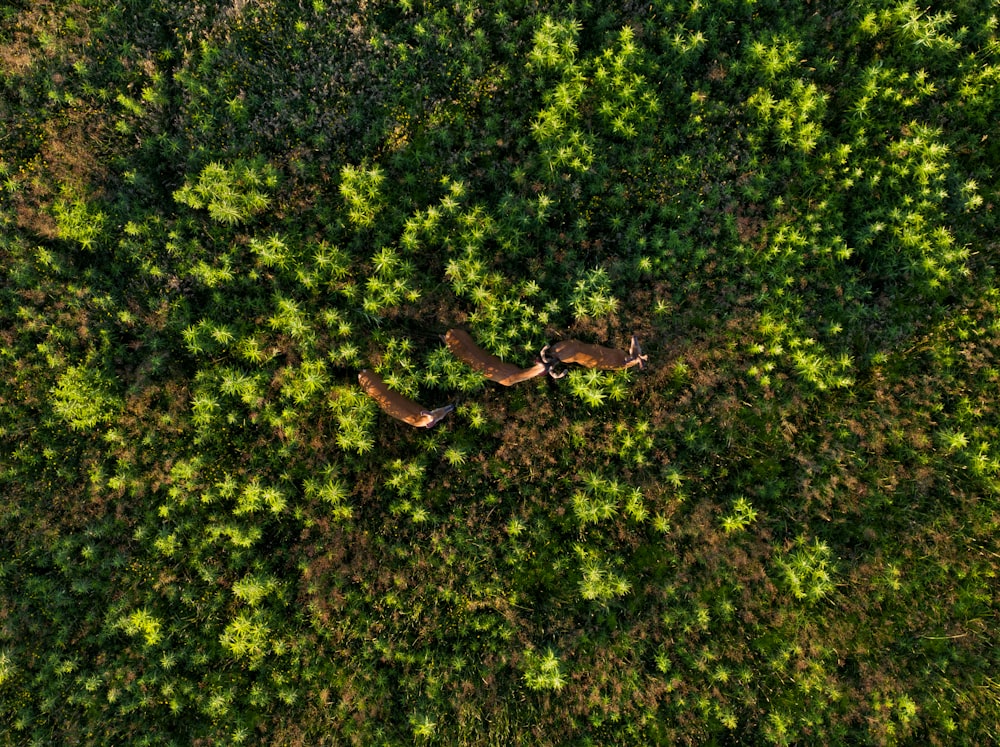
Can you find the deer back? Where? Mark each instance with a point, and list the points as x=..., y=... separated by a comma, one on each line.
x=397, y=405
x=463, y=347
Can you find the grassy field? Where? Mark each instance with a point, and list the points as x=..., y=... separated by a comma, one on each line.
x=784, y=530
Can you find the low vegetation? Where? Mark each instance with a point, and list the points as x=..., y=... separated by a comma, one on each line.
x=782, y=531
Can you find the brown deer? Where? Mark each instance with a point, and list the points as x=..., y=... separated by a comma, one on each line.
x=593, y=356
x=463, y=347
x=397, y=405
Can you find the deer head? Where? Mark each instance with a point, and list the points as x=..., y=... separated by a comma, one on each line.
x=397, y=405
x=635, y=355
x=463, y=347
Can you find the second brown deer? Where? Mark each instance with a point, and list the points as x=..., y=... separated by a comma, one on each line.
x=463, y=347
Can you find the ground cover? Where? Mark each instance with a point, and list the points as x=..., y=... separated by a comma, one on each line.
x=783, y=531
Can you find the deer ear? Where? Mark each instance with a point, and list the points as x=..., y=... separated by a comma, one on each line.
x=634, y=350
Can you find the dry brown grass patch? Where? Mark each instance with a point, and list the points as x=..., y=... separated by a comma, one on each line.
x=43, y=20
